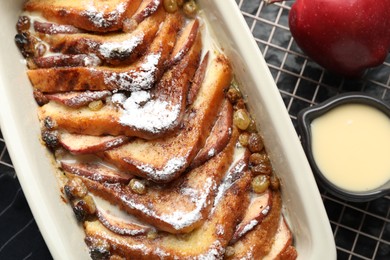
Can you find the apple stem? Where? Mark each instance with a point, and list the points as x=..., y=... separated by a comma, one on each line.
x=268, y=2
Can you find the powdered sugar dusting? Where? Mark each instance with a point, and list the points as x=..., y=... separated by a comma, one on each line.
x=216, y=251
x=266, y=210
x=153, y=6
x=91, y=60
x=248, y=227
x=178, y=219
x=101, y=19
x=138, y=79
x=170, y=168
x=125, y=48
x=220, y=230
x=211, y=152
x=142, y=112
x=55, y=29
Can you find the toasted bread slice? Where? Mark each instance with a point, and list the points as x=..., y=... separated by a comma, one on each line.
x=161, y=111
x=120, y=48
x=206, y=242
x=139, y=76
x=162, y=160
x=178, y=207
x=257, y=243
x=96, y=16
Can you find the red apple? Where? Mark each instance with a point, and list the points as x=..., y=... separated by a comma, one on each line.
x=345, y=37
x=219, y=136
x=52, y=28
x=258, y=209
x=122, y=226
x=96, y=172
x=88, y=144
x=281, y=248
x=184, y=42
x=78, y=99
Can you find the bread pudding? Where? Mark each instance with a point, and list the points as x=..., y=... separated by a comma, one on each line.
x=141, y=111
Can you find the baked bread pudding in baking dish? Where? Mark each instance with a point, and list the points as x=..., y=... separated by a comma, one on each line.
x=160, y=157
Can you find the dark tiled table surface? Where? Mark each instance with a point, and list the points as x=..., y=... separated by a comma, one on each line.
x=361, y=230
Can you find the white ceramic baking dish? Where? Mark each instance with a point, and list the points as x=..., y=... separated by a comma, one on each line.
x=64, y=237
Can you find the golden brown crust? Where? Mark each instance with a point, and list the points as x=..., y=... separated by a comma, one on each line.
x=170, y=90
x=163, y=160
x=208, y=241
x=115, y=49
x=177, y=207
x=98, y=17
x=139, y=76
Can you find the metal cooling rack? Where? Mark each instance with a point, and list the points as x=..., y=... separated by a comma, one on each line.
x=361, y=230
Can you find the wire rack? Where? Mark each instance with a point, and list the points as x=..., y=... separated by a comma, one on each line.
x=361, y=230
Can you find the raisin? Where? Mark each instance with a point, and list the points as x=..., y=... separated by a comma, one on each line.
x=260, y=183
x=190, y=8
x=50, y=138
x=255, y=143
x=23, y=24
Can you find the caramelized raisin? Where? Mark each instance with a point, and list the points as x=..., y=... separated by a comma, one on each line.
x=171, y=6
x=258, y=158
x=190, y=8
x=24, y=44
x=233, y=95
x=243, y=139
x=255, y=143
x=241, y=119
x=50, y=138
x=260, y=183
x=99, y=249
x=274, y=182
x=262, y=168
x=137, y=186
x=49, y=123
x=95, y=105
x=240, y=104
x=252, y=127
x=40, y=98
x=40, y=49
x=84, y=208
x=23, y=24
x=75, y=188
